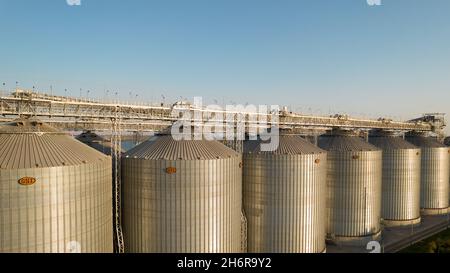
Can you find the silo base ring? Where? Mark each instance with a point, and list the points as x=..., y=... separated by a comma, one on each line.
x=356, y=241
x=435, y=211
x=401, y=223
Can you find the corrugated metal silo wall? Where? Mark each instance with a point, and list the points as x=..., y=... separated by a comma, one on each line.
x=401, y=184
x=67, y=207
x=435, y=178
x=284, y=200
x=354, y=193
x=195, y=210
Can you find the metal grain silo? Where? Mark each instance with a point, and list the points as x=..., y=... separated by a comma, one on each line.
x=447, y=141
x=182, y=197
x=95, y=141
x=435, y=174
x=284, y=196
x=354, y=188
x=55, y=192
x=401, y=179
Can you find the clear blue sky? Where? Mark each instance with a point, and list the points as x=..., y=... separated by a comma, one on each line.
x=316, y=55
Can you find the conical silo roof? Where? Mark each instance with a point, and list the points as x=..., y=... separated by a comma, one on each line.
x=287, y=145
x=90, y=137
x=342, y=141
x=95, y=141
x=27, y=143
x=424, y=142
x=166, y=148
x=391, y=143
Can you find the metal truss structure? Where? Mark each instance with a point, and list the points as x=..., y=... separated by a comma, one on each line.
x=76, y=114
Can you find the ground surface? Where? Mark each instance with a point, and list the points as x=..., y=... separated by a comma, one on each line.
x=403, y=238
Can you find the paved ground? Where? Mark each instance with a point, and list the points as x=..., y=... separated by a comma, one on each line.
x=396, y=239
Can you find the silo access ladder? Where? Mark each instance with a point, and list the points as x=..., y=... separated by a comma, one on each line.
x=116, y=142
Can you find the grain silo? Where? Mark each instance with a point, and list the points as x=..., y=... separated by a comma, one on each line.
x=182, y=197
x=434, y=174
x=104, y=146
x=95, y=141
x=56, y=192
x=447, y=141
x=284, y=196
x=400, y=204
x=354, y=188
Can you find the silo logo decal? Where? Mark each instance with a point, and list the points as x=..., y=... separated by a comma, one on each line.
x=171, y=170
x=27, y=181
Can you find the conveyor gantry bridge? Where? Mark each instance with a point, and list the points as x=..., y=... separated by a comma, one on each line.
x=82, y=114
